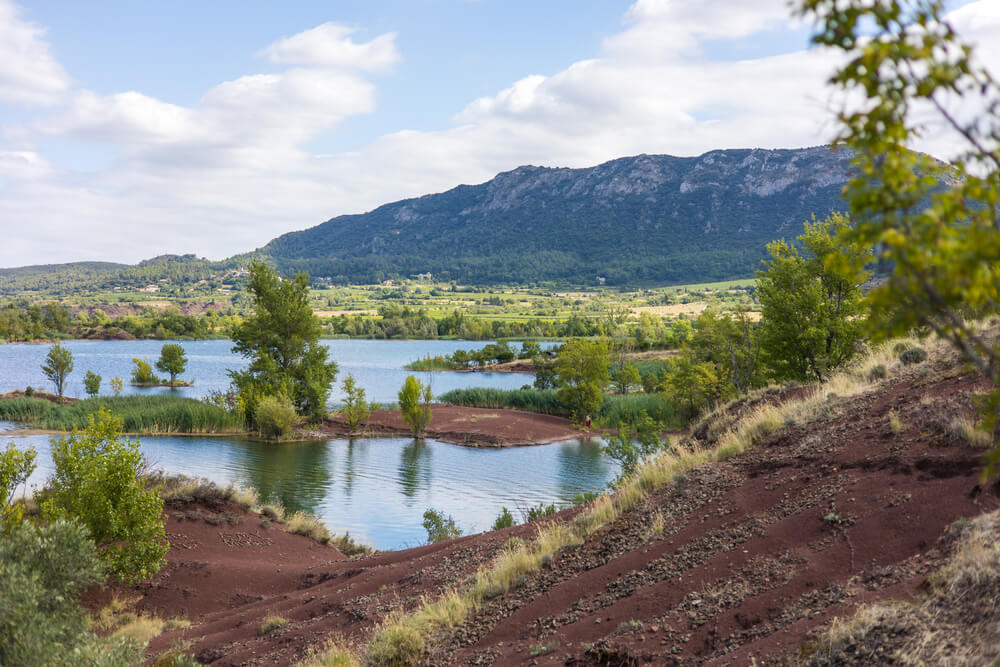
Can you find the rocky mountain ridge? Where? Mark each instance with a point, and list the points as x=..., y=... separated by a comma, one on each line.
x=647, y=217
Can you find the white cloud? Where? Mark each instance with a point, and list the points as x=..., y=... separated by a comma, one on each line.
x=28, y=73
x=233, y=171
x=329, y=45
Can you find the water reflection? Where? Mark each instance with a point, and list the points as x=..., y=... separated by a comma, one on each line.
x=579, y=461
x=414, y=468
x=379, y=488
x=297, y=474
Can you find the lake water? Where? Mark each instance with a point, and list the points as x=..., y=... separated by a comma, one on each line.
x=379, y=488
x=377, y=366
x=375, y=488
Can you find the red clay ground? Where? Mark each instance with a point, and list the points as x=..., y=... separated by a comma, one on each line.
x=474, y=427
x=746, y=566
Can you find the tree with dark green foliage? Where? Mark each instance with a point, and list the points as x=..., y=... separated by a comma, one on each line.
x=943, y=242
x=58, y=365
x=92, y=383
x=281, y=340
x=625, y=377
x=582, y=372
x=43, y=570
x=96, y=482
x=812, y=307
x=414, y=404
x=172, y=360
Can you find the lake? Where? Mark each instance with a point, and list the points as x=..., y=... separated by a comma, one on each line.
x=377, y=366
x=378, y=488
x=375, y=488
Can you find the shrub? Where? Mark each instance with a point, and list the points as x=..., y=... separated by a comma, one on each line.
x=348, y=546
x=275, y=417
x=878, y=372
x=142, y=373
x=504, y=520
x=42, y=571
x=29, y=391
x=96, y=482
x=913, y=355
x=272, y=623
x=439, y=527
x=540, y=511
x=395, y=646
x=900, y=347
x=15, y=468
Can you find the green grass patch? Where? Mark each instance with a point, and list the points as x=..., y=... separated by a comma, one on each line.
x=544, y=401
x=139, y=414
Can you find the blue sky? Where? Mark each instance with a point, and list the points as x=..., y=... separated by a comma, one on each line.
x=132, y=129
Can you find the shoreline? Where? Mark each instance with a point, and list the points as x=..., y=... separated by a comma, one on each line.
x=475, y=428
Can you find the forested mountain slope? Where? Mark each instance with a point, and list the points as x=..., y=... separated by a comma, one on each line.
x=652, y=218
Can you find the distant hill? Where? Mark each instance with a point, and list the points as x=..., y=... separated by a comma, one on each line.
x=648, y=218
x=642, y=219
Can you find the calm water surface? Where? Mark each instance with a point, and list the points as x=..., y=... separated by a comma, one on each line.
x=377, y=365
x=379, y=488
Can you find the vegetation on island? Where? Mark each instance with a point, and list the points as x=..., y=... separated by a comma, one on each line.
x=414, y=405
x=58, y=365
x=281, y=341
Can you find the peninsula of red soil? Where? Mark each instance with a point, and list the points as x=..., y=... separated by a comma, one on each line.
x=473, y=427
x=731, y=563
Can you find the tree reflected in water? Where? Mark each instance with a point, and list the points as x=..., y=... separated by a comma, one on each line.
x=414, y=467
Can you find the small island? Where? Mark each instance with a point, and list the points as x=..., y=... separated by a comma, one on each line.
x=172, y=361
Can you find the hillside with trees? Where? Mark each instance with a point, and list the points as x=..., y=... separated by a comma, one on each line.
x=647, y=218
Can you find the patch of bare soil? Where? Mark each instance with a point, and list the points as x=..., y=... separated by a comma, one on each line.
x=754, y=555
x=474, y=427
x=52, y=398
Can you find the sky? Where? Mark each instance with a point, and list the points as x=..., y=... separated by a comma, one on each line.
x=130, y=130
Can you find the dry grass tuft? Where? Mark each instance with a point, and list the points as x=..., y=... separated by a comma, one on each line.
x=969, y=431
x=301, y=523
x=955, y=623
x=272, y=623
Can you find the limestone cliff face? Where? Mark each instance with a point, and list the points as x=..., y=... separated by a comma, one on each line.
x=647, y=217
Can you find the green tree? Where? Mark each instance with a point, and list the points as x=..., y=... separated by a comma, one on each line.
x=356, y=409
x=414, y=404
x=96, y=482
x=172, y=360
x=625, y=377
x=582, y=372
x=116, y=385
x=142, y=373
x=16, y=467
x=439, y=527
x=938, y=224
x=58, y=365
x=43, y=570
x=811, y=308
x=281, y=339
x=92, y=383
x=633, y=444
